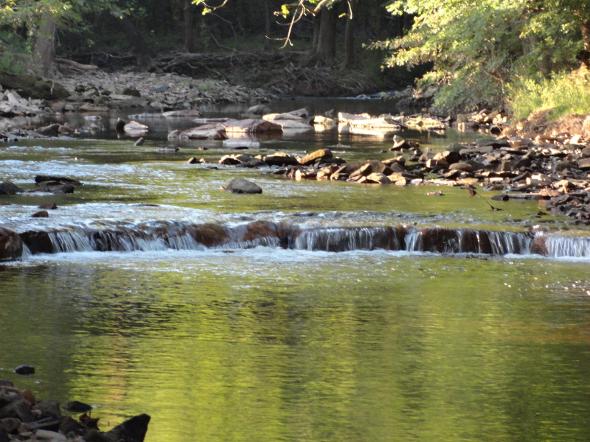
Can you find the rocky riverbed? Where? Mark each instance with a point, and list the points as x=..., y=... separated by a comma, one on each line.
x=24, y=417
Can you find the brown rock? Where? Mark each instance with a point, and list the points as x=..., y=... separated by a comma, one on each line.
x=461, y=166
x=40, y=214
x=584, y=163
x=315, y=156
x=11, y=245
x=377, y=178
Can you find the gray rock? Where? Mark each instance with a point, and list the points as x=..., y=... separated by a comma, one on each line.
x=9, y=188
x=240, y=185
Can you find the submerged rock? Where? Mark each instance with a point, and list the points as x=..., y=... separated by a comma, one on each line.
x=25, y=369
x=241, y=185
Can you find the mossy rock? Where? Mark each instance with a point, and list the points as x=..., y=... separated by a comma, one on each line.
x=33, y=87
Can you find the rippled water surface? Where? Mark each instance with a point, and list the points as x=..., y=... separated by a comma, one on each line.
x=274, y=344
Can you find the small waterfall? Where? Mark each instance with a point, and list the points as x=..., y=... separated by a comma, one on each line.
x=563, y=246
x=345, y=239
x=438, y=240
x=166, y=235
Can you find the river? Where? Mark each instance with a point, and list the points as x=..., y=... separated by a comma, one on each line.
x=259, y=340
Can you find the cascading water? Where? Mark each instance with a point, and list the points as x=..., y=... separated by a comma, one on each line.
x=161, y=236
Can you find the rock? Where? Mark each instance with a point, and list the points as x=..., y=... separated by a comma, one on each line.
x=78, y=407
x=450, y=156
x=11, y=245
x=58, y=179
x=461, y=166
x=212, y=131
x=132, y=430
x=131, y=91
x=48, y=408
x=365, y=124
x=51, y=130
x=20, y=409
x=210, y=235
x=8, y=188
x=377, y=178
x=586, y=152
x=135, y=129
x=139, y=142
x=9, y=424
x=584, y=163
x=182, y=113
x=259, y=109
x=312, y=157
x=55, y=187
x=280, y=159
x=50, y=436
x=25, y=369
x=250, y=126
x=399, y=143
x=240, y=185
x=40, y=214
x=192, y=160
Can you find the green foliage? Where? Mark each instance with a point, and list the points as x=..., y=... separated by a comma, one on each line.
x=561, y=94
x=477, y=48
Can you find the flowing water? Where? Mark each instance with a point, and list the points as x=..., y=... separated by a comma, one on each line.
x=315, y=311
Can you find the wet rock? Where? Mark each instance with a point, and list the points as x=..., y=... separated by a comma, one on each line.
x=55, y=187
x=11, y=245
x=9, y=188
x=78, y=407
x=132, y=430
x=210, y=235
x=37, y=242
x=140, y=141
x=57, y=179
x=314, y=156
x=48, y=206
x=25, y=369
x=192, y=160
x=40, y=214
x=241, y=185
x=280, y=159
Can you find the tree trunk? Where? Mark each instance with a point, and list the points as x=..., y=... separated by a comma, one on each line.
x=326, y=48
x=44, y=53
x=349, y=52
x=189, y=25
x=316, y=35
x=585, y=56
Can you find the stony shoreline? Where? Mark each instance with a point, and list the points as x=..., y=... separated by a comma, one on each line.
x=24, y=417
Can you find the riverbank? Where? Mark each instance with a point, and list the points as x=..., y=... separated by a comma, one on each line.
x=24, y=417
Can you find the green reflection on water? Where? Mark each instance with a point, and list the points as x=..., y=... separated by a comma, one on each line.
x=310, y=346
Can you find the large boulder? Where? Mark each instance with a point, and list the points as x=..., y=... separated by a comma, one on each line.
x=213, y=131
x=240, y=185
x=11, y=245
